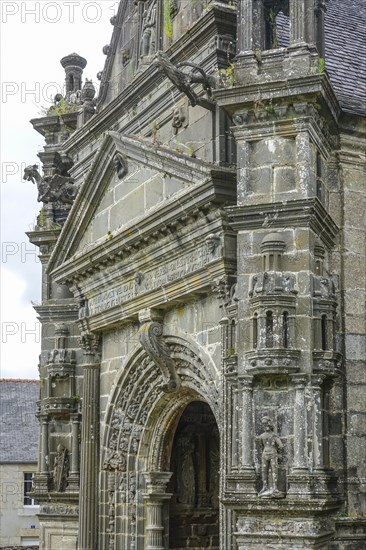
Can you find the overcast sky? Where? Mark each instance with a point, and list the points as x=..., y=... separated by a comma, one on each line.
x=34, y=37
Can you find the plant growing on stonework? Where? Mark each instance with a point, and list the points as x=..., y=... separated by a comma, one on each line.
x=40, y=220
x=273, y=26
x=168, y=10
x=321, y=65
x=269, y=108
x=62, y=108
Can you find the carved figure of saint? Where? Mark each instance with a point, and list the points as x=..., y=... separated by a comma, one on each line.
x=60, y=469
x=148, y=34
x=271, y=445
x=186, y=472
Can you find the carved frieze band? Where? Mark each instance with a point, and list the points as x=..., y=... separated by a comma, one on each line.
x=151, y=339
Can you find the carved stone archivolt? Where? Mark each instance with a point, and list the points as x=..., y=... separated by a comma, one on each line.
x=134, y=416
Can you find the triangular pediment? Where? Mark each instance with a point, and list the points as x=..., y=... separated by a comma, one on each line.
x=129, y=181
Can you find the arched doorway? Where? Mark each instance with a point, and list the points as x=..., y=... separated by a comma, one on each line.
x=195, y=463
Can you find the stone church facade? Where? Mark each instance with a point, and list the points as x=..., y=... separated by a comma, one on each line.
x=203, y=288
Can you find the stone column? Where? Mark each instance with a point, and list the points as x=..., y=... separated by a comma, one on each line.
x=88, y=516
x=246, y=427
x=245, y=25
x=301, y=485
x=44, y=436
x=297, y=22
x=317, y=383
x=234, y=430
x=73, y=481
x=224, y=323
x=245, y=435
x=154, y=501
x=300, y=425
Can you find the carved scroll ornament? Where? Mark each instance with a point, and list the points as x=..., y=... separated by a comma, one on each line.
x=151, y=339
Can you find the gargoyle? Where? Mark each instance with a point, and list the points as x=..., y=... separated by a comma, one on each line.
x=54, y=188
x=184, y=80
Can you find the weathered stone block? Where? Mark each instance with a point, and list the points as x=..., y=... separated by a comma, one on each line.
x=284, y=179
x=355, y=346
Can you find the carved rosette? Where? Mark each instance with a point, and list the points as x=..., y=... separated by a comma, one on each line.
x=151, y=339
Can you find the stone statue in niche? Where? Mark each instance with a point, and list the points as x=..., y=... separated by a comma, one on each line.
x=60, y=469
x=271, y=445
x=186, y=471
x=148, y=34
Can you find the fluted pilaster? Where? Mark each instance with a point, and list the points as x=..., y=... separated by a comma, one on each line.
x=300, y=424
x=88, y=519
x=44, y=438
x=154, y=500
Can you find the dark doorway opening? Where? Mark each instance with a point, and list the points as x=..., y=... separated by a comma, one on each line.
x=195, y=463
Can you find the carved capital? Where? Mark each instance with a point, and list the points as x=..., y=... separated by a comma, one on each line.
x=226, y=291
x=299, y=380
x=90, y=343
x=151, y=339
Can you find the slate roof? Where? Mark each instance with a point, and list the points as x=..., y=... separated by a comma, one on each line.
x=345, y=52
x=18, y=424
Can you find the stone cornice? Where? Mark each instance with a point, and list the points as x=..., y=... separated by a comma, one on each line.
x=65, y=311
x=237, y=96
x=43, y=236
x=132, y=250
x=297, y=213
x=285, y=127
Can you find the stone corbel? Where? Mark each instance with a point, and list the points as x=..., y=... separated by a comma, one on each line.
x=152, y=341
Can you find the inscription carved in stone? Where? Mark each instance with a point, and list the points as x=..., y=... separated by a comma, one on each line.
x=152, y=280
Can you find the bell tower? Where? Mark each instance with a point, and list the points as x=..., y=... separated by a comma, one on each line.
x=283, y=113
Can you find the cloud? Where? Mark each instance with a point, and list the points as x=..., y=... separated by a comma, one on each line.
x=20, y=329
x=34, y=38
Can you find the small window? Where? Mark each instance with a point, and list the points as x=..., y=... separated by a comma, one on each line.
x=319, y=177
x=255, y=331
x=285, y=329
x=324, y=332
x=27, y=486
x=269, y=329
